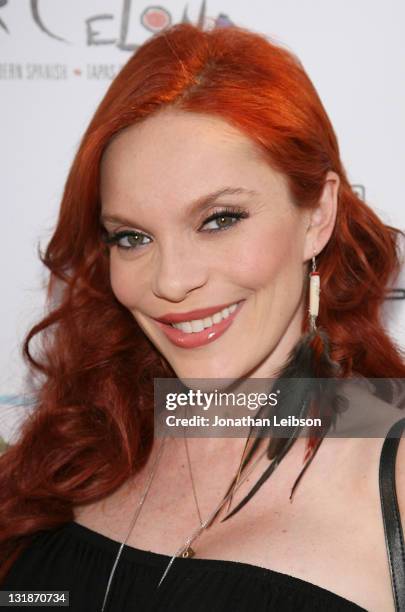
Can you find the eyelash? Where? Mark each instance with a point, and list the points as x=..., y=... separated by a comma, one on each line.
x=112, y=239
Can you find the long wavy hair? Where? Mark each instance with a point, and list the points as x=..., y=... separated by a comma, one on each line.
x=92, y=424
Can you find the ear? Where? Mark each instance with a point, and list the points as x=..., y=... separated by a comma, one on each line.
x=321, y=219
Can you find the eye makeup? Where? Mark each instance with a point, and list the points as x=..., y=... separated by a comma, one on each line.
x=135, y=238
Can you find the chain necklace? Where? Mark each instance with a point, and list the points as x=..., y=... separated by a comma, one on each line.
x=191, y=478
x=134, y=519
x=189, y=552
x=239, y=481
x=196, y=533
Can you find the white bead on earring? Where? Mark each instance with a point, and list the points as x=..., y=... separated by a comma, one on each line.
x=314, y=291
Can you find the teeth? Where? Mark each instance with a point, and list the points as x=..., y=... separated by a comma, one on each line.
x=186, y=327
x=198, y=325
x=217, y=317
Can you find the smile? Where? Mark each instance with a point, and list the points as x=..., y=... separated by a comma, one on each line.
x=197, y=325
x=199, y=331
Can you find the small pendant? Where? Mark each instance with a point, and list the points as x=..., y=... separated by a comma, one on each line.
x=314, y=291
x=189, y=552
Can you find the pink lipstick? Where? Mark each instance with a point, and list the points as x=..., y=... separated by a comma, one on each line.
x=200, y=338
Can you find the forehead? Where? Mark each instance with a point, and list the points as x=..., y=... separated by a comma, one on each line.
x=176, y=131
x=178, y=154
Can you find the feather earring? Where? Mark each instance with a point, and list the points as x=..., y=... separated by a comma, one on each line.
x=304, y=390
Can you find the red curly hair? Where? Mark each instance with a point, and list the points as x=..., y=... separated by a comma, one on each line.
x=92, y=427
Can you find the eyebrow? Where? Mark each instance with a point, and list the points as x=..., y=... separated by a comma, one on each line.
x=197, y=205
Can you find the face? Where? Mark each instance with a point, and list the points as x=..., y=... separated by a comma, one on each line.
x=203, y=234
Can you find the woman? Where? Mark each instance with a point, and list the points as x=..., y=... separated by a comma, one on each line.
x=209, y=181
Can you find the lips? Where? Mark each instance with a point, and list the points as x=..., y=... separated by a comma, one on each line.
x=200, y=313
x=200, y=338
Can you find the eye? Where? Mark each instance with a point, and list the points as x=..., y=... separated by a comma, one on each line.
x=130, y=240
x=224, y=219
x=126, y=240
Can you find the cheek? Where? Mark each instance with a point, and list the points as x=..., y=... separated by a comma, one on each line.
x=126, y=283
x=272, y=257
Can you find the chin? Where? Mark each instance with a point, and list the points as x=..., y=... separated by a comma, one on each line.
x=208, y=377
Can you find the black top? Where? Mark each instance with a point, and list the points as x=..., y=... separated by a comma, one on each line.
x=76, y=559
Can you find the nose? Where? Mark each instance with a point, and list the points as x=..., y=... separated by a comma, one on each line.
x=179, y=269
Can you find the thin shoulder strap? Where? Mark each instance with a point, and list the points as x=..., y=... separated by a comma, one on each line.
x=394, y=537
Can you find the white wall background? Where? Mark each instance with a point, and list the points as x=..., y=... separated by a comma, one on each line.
x=57, y=58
